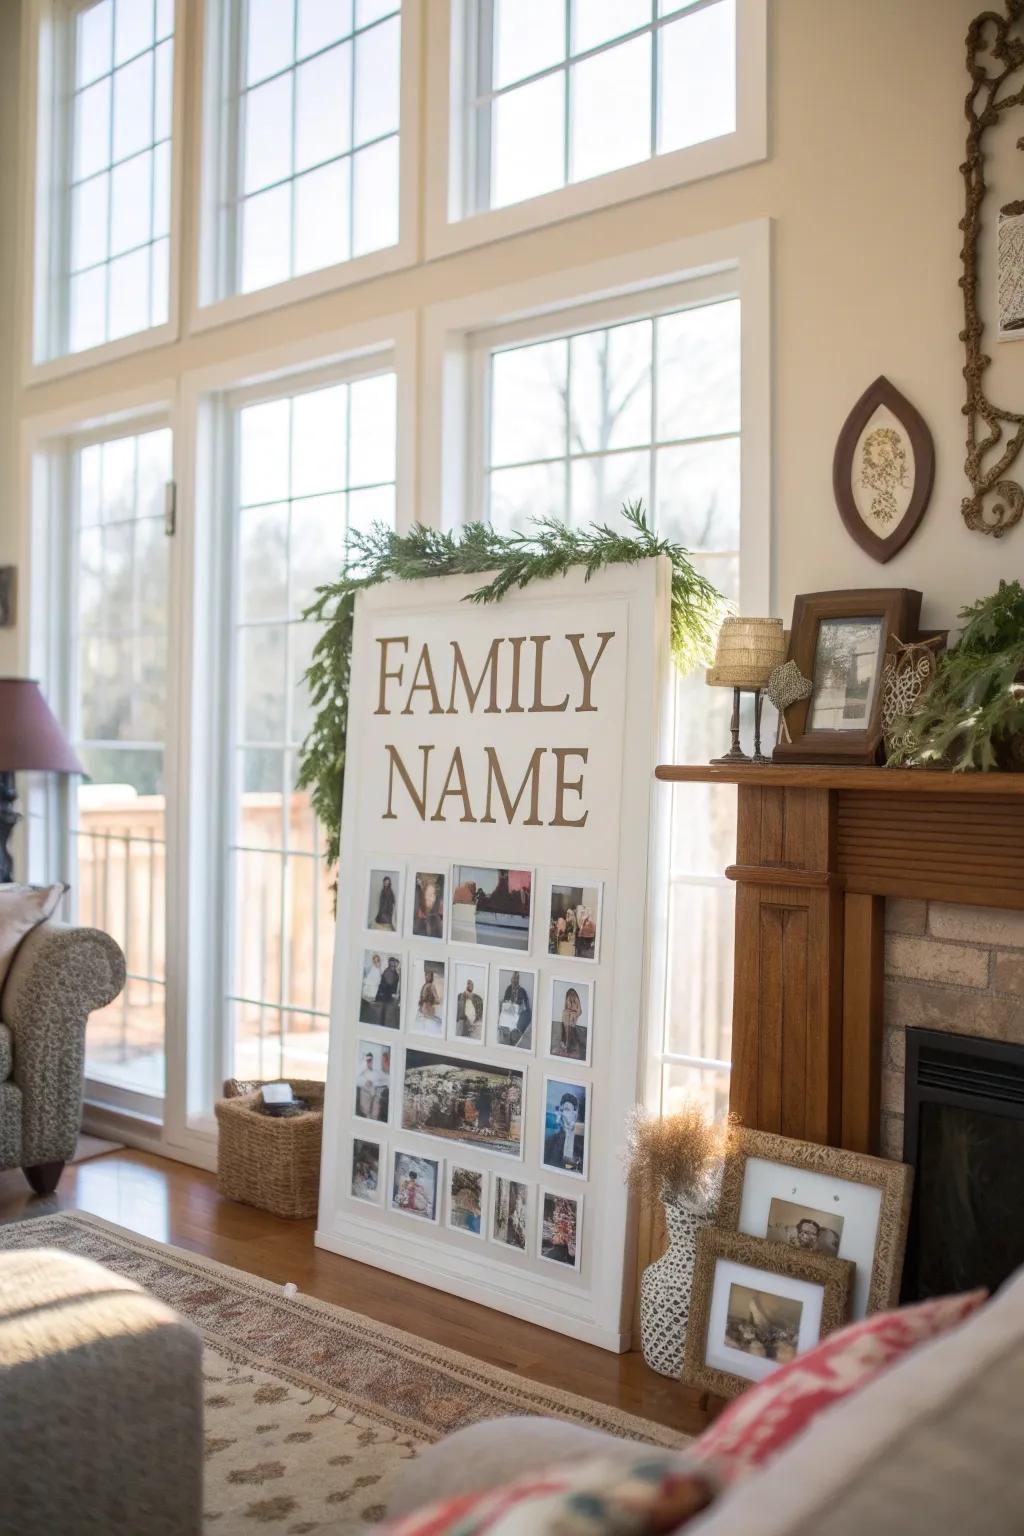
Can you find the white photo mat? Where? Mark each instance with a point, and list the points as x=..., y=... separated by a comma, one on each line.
x=738, y=1362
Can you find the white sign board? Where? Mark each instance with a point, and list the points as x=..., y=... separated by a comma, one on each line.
x=493, y=933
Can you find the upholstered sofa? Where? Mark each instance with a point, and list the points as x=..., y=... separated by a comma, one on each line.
x=932, y=1447
x=58, y=976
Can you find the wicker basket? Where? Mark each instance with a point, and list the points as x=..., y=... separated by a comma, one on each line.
x=265, y=1161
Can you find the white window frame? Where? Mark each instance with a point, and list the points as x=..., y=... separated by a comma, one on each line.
x=209, y=170
x=209, y=398
x=47, y=51
x=733, y=262
x=48, y=445
x=449, y=148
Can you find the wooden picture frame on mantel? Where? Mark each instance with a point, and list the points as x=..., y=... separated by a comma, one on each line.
x=839, y=640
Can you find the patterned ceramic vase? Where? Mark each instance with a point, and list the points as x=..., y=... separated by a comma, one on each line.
x=666, y=1285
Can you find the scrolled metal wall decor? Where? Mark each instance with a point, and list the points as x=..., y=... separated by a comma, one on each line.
x=993, y=58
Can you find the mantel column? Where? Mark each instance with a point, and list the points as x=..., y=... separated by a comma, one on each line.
x=787, y=1049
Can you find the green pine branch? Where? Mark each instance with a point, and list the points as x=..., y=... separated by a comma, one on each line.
x=549, y=549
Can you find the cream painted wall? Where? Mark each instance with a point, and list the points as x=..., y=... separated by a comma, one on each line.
x=863, y=185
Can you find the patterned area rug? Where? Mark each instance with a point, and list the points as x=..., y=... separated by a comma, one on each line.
x=310, y=1409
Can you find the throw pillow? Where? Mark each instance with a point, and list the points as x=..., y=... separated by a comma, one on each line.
x=761, y=1423
x=22, y=908
x=649, y=1496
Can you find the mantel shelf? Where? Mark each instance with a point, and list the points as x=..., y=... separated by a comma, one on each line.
x=889, y=781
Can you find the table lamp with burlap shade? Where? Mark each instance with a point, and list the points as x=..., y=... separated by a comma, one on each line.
x=748, y=651
x=30, y=739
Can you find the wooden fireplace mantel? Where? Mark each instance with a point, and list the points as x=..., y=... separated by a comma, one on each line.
x=817, y=851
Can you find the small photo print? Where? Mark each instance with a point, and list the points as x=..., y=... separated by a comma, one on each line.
x=516, y=992
x=414, y=1185
x=491, y=906
x=762, y=1324
x=574, y=921
x=468, y=990
x=366, y=1170
x=426, y=996
x=571, y=1003
x=476, y=1103
x=373, y=1080
x=565, y=1126
x=428, y=893
x=801, y=1226
x=508, y=1213
x=380, y=989
x=384, y=900
x=560, y=1228
x=466, y=1200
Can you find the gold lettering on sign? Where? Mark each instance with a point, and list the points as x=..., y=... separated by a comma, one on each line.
x=429, y=686
x=564, y=786
x=496, y=780
x=538, y=707
x=402, y=640
x=587, y=670
x=419, y=800
x=455, y=770
x=472, y=694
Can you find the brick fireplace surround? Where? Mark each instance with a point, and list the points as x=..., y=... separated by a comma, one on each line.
x=947, y=967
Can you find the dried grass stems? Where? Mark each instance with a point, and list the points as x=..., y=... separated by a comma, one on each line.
x=677, y=1158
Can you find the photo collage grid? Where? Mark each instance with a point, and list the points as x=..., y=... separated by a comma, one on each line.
x=447, y=1041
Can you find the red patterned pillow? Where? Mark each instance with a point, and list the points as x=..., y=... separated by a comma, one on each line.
x=761, y=1423
x=652, y=1494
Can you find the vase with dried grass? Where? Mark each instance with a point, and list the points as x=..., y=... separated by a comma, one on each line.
x=677, y=1159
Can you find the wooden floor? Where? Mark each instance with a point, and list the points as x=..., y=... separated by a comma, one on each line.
x=173, y=1203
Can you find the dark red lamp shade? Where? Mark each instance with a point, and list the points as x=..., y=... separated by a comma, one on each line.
x=30, y=737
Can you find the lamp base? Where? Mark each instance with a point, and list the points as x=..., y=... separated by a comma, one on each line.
x=9, y=819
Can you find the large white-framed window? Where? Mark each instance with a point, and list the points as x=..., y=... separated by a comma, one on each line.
x=109, y=111
x=308, y=168
x=655, y=391
x=555, y=107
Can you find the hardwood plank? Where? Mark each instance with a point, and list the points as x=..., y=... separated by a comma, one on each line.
x=173, y=1203
x=863, y=985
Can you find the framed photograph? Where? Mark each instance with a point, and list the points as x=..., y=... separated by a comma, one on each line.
x=574, y=919
x=571, y=1010
x=839, y=640
x=822, y=1200
x=368, y=1170
x=491, y=906
x=467, y=1002
x=566, y=1143
x=513, y=1008
x=467, y=1200
x=474, y=1103
x=755, y=1306
x=510, y=1204
x=373, y=1080
x=426, y=995
x=428, y=890
x=384, y=900
x=416, y=1186
x=560, y=1222
x=380, y=989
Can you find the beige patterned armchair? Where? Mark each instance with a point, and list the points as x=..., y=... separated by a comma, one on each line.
x=58, y=977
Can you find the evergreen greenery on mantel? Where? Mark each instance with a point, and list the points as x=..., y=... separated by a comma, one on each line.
x=513, y=561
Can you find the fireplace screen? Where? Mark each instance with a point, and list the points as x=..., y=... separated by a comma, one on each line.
x=965, y=1138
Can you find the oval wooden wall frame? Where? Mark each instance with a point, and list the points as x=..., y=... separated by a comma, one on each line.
x=882, y=392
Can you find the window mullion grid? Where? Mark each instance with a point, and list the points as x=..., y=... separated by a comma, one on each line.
x=478, y=127
x=567, y=99
x=351, y=159
x=152, y=168
x=284, y=956
x=655, y=50
x=567, y=460
x=292, y=188
x=110, y=199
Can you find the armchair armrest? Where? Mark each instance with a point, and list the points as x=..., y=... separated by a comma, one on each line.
x=59, y=976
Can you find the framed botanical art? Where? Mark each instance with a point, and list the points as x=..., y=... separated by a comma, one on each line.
x=883, y=470
x=822, y=1200
x=839, y=640
x=755, y=1306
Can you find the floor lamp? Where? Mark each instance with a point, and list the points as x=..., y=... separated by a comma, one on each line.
x=30, y=741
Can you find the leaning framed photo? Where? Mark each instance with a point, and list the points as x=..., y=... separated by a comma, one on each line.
x=839, y=641
x=822, y=1200
x=755, y=1306
x=475, y=1103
